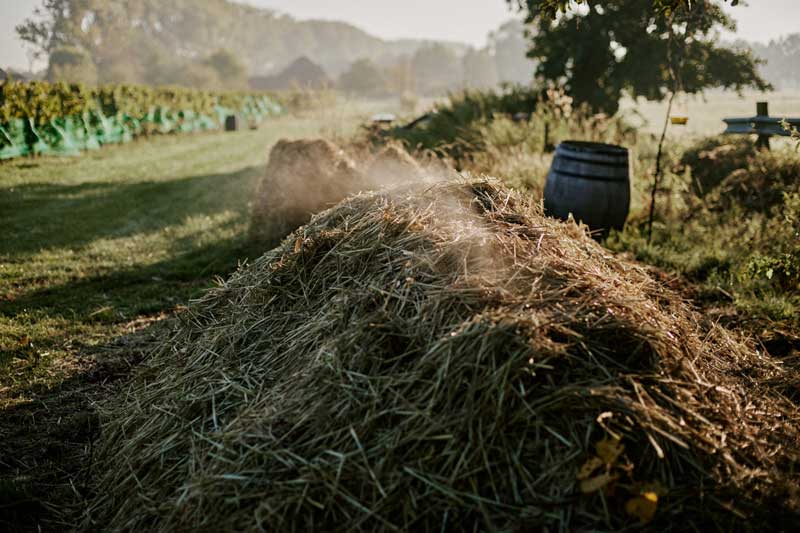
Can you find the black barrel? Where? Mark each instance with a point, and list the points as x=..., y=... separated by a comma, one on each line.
x=232, y=123
x=592, y=182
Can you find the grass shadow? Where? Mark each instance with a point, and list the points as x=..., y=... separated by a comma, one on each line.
x=45, y=460
x=39, y=216
x=138, y=290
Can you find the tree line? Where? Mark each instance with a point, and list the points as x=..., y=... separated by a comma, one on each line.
x=597, y=52
x=436, y=69
x=781, y=59
x=178, y=42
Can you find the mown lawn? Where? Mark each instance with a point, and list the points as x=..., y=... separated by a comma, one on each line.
x=92, y=247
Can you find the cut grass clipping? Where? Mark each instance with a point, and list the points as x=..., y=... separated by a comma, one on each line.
x=446, y=359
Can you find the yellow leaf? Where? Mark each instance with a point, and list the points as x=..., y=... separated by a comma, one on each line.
x=596, y=483
x=609, y=449
x=656, y=487
x=589, y=467
x=643, y=506
x=298, y=245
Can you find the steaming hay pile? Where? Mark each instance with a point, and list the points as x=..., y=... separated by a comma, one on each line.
x=447, y=359
x=304, y=177
x=393, y=165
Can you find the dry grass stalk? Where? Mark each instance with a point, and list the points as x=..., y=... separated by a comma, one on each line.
x=447, y=359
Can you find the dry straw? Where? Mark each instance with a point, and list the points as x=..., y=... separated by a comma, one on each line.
x=307, y=176
x=447, y=359
x=302, y=177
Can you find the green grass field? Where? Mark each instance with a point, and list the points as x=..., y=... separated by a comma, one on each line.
x=93, y=245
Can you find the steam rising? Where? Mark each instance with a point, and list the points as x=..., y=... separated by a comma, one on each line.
x=304, y=177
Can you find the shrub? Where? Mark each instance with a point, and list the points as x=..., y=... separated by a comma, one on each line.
x=452, y=127
x=43, y=101
x=760, y=184
x=712, y=159
x=66, y=118
x=737, y=236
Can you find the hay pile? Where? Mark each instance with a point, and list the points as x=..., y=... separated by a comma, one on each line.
x=393, y=165
x=302, y=177
x=307, y=176
x=447, y=359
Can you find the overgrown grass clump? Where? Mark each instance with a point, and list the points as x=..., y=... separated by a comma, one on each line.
x=467, y=123
x=446, y=359
x=453, y=123
x=731, y=224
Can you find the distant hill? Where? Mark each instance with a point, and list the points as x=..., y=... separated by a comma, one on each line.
x=301, y=73
x=219, y=44
x=147, y=41
x=336, y=45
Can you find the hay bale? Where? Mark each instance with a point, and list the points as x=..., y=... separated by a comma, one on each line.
x=303, y=177
x=447, y=359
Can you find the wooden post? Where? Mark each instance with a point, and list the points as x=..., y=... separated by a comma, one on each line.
x=548, y=147
x=546, y=137
x=762, y=110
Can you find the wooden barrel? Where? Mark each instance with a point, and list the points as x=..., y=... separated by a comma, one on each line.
x=592, y=182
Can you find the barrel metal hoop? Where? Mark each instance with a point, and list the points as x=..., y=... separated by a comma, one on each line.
x=594, y=161
x=592, y=148
x=586, y=177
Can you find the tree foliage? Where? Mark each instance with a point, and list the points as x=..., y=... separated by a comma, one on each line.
x=230, y=70
x=73, y=65
x=363, y=78
x=611, y=47
x=551, y=8
x=781, y=59
x=509, y=45
x=437, y=69
x=400, y=76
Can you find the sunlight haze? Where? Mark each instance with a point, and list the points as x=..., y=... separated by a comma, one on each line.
x=467, y=21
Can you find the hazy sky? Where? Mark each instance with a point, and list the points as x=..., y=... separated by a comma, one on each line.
x=456, y=20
